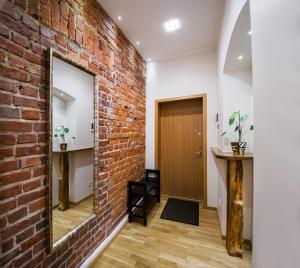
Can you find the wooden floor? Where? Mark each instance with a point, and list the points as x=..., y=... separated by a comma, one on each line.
x=66, y=221
x=166, y=243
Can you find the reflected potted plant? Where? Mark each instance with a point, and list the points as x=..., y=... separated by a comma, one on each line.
x=61, y=131
x=238, y=121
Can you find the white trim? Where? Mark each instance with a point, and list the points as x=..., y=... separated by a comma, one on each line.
x=104, y=244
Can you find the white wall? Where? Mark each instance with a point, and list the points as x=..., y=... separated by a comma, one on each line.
x=234, y=94
x=276, y=82
x=184, y=76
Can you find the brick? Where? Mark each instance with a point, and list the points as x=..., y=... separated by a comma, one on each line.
x=60, y=39
x=33, y=57
x=23, y=259
x=43, y=224
x=64, y=9
x=4, y=31
x=9, y=10
x=30, y=114
x=45, y=15
x=8, y=165
x=17, y=215
x=25, y=102
x=16, y=228
x=17, y=63
x=7, y=206
x=40, y=204
x=48, y=33
x=15, y=126
x=21, y=3
x=10, y=192
x=21, y=40
x=27, y=138
x=18, y=27
x=30, y=22
x=38, y=171
x=9, y=256
x=6, y=112
x=78, y=36
x=29, y=150
x=14, y=74
x=32, y=241
x=64, y=26
x=39, y=126
x=71, y=25
x=24, y=235
x=33, y=8
x=7, y=139
x=37, y=48
x=11, y=47
x=6, y=152
x=5, y=98
x=29, y=186
x=2, y=57
x=28, y=91
x=30, y=162
x=8, y=86
x=29, y=197
x=18, y=176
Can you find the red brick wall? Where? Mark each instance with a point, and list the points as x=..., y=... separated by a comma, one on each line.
x=82, y=31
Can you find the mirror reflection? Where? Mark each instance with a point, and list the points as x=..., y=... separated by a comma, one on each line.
x=72, y=147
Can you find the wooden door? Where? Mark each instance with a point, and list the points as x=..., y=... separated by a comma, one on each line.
x=181, y=165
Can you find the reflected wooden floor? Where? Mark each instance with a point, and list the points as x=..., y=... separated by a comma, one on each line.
x=65, y=221
x=166, y=243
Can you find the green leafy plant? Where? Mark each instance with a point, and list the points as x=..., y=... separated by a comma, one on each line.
x=61, y=131
x=238, y=121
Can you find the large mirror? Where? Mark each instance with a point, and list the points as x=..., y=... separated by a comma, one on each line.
x=73, y=148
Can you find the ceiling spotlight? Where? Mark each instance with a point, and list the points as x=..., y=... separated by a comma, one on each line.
x=119, y=18
x=240, y=57
x=149, y=59
x=172, y=25
x=250, y=32
x=137, y=42
x=61, y=94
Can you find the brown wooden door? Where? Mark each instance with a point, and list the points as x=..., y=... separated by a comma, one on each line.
x=181, y=164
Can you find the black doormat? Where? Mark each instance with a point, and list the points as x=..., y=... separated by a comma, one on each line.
x=181, y=211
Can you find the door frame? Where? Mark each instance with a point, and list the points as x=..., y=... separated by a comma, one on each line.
x=203, y=98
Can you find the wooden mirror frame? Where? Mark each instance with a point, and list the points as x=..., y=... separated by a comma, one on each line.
x=53, y=53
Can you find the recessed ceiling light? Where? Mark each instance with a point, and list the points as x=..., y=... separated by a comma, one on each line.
x=120, y=18
x=137, y=42
x=172, y=25
x=250, y=32
x=240, y=57
x=149, y=59
x=61, y=94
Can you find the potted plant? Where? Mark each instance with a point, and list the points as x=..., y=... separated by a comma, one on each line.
x=238, y=121
x=61, y=131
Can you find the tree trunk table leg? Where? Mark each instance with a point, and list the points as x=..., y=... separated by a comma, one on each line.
x=64, y=181
x=234, y=232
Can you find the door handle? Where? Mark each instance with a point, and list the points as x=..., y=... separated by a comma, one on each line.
x=200, y=151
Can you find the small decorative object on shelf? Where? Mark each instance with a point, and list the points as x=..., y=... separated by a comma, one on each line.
x=238, y=121
x=61, y=131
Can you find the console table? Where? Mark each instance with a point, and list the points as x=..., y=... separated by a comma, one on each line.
x=64, y=181
x=234, y=230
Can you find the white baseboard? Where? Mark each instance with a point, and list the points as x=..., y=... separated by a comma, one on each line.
x=104, y=244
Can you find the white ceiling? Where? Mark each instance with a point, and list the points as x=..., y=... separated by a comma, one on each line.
x=240, y=44
x=142, y=20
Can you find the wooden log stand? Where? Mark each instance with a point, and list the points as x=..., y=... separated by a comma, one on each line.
x=234, y=230
x=63, y=181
